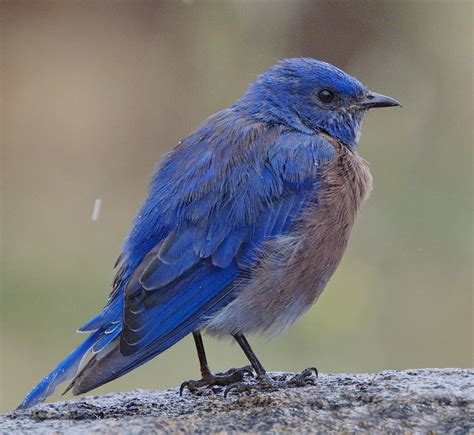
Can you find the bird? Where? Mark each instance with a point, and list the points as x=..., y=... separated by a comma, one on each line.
x=244, y=224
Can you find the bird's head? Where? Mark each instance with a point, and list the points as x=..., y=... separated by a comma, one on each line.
x=307, y=94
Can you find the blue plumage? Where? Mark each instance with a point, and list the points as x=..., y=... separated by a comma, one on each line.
x=240, y=181
x=62, y=373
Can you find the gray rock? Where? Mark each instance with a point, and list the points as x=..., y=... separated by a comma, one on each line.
x=422, y=400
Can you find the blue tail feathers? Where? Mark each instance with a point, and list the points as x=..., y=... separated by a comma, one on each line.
x=65, y=371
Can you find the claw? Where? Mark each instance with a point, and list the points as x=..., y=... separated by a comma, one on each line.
x=307, y=372
x=267, y=383
x=230, y=377
x=191, y=385
x=229, y=388
x=239, y=386
x=247, y=370
x=305, y=377
x=182, y=387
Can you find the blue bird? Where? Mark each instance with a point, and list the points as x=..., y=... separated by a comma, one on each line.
x=245, y=222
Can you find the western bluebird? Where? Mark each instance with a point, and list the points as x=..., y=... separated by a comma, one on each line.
x=245, y=222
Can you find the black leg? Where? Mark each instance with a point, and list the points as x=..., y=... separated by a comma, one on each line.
x=256, y=364
x=201, y=354
x=208, y=379
x=265, y=382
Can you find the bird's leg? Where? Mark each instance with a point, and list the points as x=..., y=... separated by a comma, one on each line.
x=256, y=364
x=265, y=382
x=208, y=379
x=205, y=372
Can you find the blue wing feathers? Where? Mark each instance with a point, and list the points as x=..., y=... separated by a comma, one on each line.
x=111, y=313
x=158, y=274
x=176, y=246
x=106, y=339
x=228, y=249
x=92, y=324
x=160, y=320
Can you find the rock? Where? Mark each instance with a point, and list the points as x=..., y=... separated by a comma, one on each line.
x=422, y=400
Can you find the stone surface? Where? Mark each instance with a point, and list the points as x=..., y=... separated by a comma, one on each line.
x=422, y=400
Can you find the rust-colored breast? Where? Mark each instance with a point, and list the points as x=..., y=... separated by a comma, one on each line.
x=295, y=268
x=325, y=228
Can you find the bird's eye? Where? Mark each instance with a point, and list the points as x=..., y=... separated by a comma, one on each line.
x=326, y=96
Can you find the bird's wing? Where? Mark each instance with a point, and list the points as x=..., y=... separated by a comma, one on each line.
x=212, y=204
x=223, y=217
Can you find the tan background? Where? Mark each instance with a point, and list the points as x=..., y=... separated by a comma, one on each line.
x=93, y=93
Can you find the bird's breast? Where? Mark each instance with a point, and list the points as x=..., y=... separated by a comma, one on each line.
x=346, y=184
x=325, y=227
x=296, y=267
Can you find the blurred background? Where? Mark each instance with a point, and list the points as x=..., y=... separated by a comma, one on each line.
x=93, y=93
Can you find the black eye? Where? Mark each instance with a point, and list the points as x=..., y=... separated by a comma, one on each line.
x=326, y=96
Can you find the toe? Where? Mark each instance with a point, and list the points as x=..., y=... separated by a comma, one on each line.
x=191, y=386
x=231, y=387
x=310, y=371
x=182, y=387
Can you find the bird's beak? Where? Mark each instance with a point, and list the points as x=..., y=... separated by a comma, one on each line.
x=372, y=99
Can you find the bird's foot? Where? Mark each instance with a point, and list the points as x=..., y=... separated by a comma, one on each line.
x=230, y=377
x=277, y=382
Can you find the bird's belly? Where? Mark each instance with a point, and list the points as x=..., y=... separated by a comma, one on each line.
x=295, y=268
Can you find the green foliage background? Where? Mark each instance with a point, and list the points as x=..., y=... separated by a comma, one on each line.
x=93, y=93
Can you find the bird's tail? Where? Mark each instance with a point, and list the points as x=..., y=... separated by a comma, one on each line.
x=65, y=371
x=110, y=363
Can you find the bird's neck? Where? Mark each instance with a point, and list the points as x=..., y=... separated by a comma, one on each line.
x=266, y=110
x=270, y=111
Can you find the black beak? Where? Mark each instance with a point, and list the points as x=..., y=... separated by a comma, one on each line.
x=372, y=99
